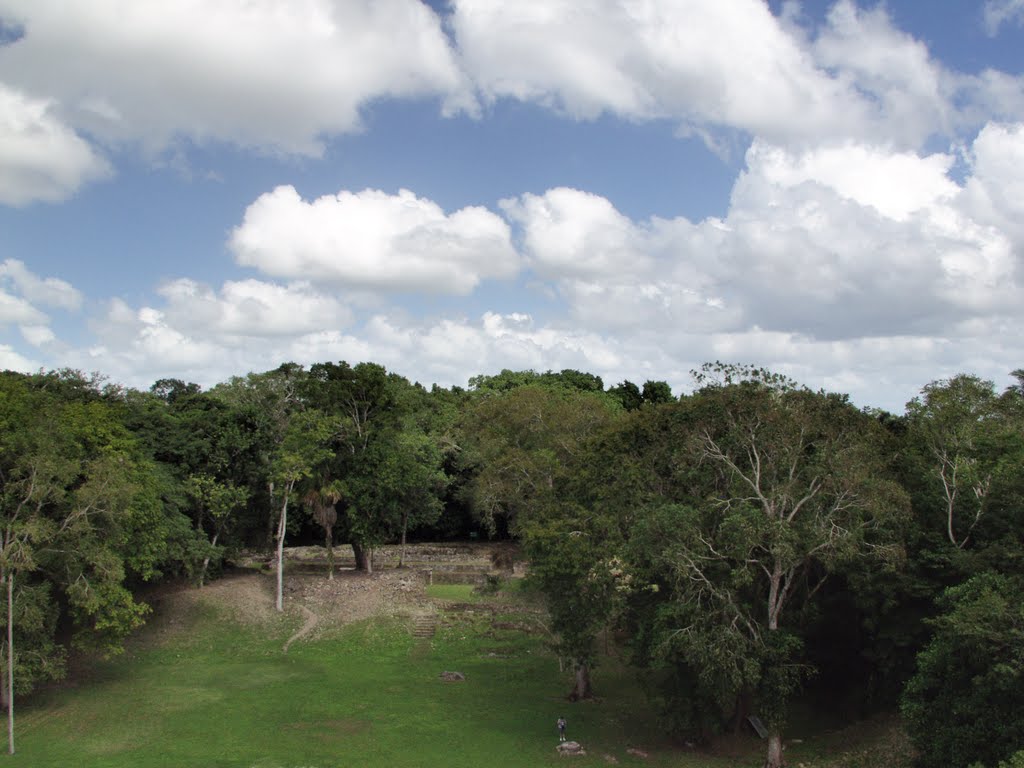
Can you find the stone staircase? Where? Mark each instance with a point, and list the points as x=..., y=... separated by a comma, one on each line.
x=424, y=625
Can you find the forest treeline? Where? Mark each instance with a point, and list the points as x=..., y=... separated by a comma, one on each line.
x=751, y=545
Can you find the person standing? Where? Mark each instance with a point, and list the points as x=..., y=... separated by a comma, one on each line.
x=561, y=728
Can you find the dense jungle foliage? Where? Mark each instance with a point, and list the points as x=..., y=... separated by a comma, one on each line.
x=754, y=544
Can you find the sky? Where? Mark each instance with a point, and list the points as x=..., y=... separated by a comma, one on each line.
x=197, y=189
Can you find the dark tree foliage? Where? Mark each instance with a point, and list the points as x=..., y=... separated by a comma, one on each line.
x=657, y=392
x=739, y=537
x=567, y=378
x=965, y=704
x=628, y=395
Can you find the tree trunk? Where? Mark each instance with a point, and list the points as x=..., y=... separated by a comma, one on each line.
x=329, y=541
x=281, y=527
x=206, y=561
x=582, y=689
x=774, y=759
x=742, y=711
x=364, y=558
x=5, y=698
x=270, y=520
x=9, y=578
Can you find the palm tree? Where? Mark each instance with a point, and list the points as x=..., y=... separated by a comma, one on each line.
x=321, y=501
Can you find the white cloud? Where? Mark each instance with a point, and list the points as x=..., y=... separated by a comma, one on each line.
x=37, y=335
x=41, y=158
x=999, y=12
x=837, y=243
x=10, y=360
x=209, y=335
x=251, y=308
x=21, y=290
x=904, y=83
x=570, y=232
x=372, y=240
x=264, y=73
x=896, y=184
x=49, y=291
x=14, y=309
x=995, y=191
x=649, y=60
x=857, y=78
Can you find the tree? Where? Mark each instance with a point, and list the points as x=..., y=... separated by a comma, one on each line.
x=657, y=392
x=322, y=500
x=303, y=447
x=965, y=703
x=528, y=443
x=215, y=503
x=267, y=401
x=387, y=452
x=571, y=551
x=522, y=441
x=790, y=484
x=77, y=515
x=362, y=397
x=507, y=380
x=953, y=423
x=628, y=395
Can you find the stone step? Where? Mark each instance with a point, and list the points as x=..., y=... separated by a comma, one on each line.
x=424, y=626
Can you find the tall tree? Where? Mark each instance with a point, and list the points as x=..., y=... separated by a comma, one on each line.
x=387, y=461
x=321, y=499
x=792, y=483
x=303, y=447
x=965, y=704
x=522, y=441
x=268, y=401
x=77, y=517
x=954, y=424
x=628, y=394
x=215, y=504
x=657, y=392
x=528, y=442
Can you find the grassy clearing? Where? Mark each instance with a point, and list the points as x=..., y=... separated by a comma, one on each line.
x=220, y=693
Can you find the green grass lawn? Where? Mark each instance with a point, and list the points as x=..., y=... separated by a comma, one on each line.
x=223, y=694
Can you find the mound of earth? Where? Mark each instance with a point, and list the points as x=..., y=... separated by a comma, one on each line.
x=322, y=603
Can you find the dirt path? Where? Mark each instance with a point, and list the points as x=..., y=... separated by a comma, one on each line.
x=311, y=621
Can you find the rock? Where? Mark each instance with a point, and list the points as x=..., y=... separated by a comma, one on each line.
x=452, y=677
x=637, y=752
x=571, y=749
x=611, y=759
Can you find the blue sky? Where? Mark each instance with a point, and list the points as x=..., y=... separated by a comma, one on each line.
x=633, y=187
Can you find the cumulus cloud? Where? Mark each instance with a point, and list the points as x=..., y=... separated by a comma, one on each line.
x=14, y=309
x=895, y=184
x=38, y=335
x=50, y=291
x=372, y=240
x=267, y=74
x=210, y=334
x=656, y=60
x=829, y=244
x=906, y=86
x=568, y=231
x=21, y=291
x=995, y=190
x=857, y=78
x=41, y=158
x=251, y=308
x=11, y=360
x=999, y=12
